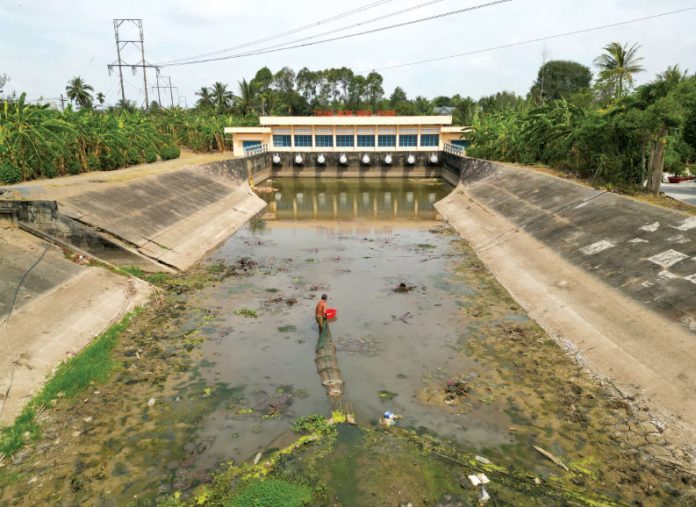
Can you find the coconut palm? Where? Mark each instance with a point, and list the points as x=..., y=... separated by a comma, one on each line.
x=206, y=98
x=222, y=97
x=248, y=99
x=617, y=66
x=79, y=92
x=101, y=98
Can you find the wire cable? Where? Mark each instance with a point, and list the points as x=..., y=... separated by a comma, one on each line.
x=287, y=32
x=531, y=41
x=14, y=302
x=347, y=27
x=341, y=37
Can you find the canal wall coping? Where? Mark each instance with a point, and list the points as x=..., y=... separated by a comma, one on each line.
x=611, y=278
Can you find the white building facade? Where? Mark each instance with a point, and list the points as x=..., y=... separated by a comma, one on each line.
x=347, y=134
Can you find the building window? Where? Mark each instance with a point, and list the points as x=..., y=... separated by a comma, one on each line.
x=250, y=144
x=386, y=140
x=281, y=140
x=366, y=141
x=303, y=141
x=345, y=141
x=408, y=140
x=430, y=140
x=323, y=141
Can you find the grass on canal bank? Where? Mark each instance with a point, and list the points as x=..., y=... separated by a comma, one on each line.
x=92, y=364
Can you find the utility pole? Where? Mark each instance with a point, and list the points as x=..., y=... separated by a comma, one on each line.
x=544, y=56
x=138, y=43
x=62, y=103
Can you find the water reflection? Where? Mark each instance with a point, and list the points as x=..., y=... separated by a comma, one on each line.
x=379, y=199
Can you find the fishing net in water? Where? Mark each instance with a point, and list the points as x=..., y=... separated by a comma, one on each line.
x=326, y=361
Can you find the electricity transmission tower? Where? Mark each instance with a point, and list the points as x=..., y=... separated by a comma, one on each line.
x=135, y=25
x=167, y=86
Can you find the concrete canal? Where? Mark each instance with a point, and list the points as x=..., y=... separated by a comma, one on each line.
x=215, y=375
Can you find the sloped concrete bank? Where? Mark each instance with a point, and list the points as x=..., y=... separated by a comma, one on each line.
x=171, y=218
x=50, y=307
x=166, y=219
x=612, y=279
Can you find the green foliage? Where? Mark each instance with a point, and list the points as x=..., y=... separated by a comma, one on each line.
x=246, y=312
x=314, y=423
x=626, y=144
x=93, y=364
x=10, y=173
x=272, y=493
x=560, y=80
x=169, y=152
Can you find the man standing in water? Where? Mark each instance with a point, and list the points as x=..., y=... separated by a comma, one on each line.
x=320, y=312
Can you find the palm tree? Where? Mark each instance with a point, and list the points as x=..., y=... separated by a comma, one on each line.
x=206, y=98
x=79, y=92
x=222, y=97
x=101, y=98
x=248, y=97
x=617, y=66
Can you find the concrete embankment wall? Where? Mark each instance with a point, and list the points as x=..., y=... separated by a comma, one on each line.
x=50, y=307
x=175, y=217
x=171, y=218
x=610, y=277
x=645, y=251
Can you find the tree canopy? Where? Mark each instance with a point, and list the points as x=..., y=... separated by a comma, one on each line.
x=560, y=79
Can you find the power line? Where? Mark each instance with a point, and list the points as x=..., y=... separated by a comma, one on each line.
x=342, y=37
x=288, y=32
x=347, y=27
x=531, y=41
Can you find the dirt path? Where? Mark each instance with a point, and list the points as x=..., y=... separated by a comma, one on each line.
x=67, y=186
x=646, y=356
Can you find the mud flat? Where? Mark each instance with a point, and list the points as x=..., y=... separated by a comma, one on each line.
x=609, y=278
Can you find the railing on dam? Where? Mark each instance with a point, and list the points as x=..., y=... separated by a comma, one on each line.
x=453, y=149
x=255, y=149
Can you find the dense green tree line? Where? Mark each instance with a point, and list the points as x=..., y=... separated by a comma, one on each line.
x=608, y=132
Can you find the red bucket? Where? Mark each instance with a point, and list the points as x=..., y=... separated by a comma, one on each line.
x=330, y=313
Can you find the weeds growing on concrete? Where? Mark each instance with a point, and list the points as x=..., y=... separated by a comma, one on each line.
x=93, y=364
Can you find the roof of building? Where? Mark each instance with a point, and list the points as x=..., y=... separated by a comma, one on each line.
x=354, y=120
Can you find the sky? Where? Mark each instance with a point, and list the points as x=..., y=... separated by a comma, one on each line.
x=44, y=43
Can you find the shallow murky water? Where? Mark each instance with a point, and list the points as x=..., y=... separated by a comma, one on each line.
x=388, y=342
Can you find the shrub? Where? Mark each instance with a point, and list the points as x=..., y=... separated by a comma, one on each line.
x=169, y=152
x=272, y=493
x=10, y=173
x=150, y=156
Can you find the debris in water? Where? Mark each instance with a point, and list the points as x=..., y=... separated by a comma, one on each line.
x=257, y=458
x=455, y=390
x=551, y=457
x=484, y=496
x=403, y=318
x=387, y=395
x=403, y=288
x=150, y=402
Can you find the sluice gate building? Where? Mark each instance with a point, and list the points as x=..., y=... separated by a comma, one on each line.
x=349, y=134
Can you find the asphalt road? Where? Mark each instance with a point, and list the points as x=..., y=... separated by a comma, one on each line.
x=684, y=191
